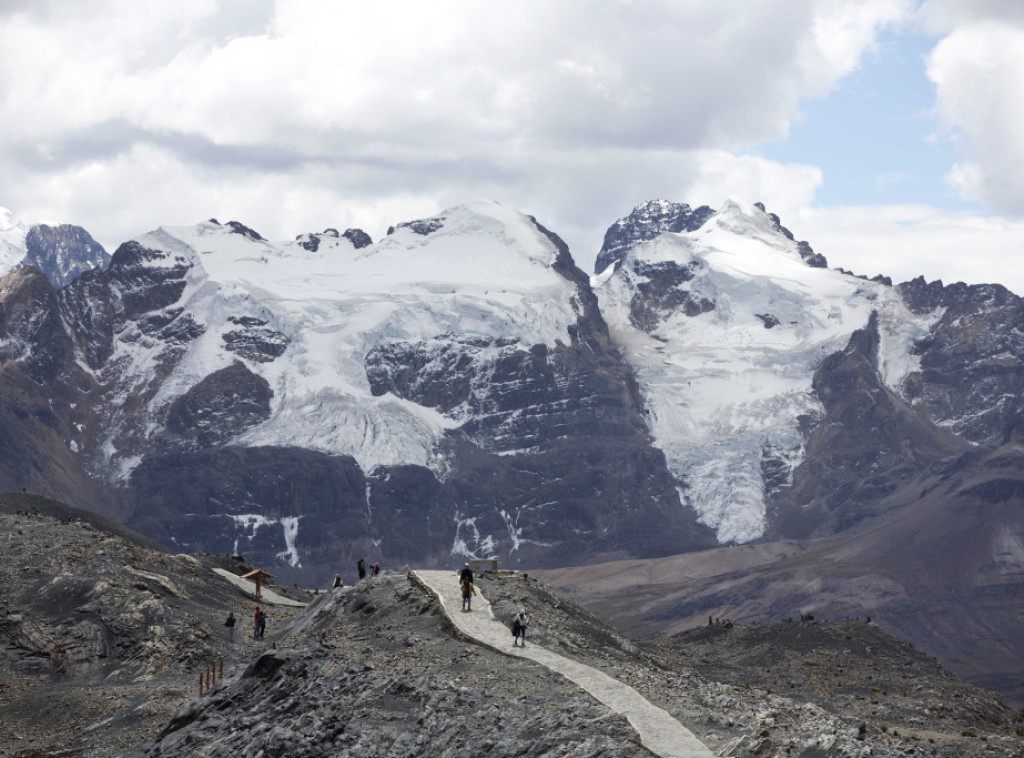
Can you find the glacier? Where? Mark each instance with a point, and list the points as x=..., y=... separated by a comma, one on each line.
x=480, y=270
x=726, y=388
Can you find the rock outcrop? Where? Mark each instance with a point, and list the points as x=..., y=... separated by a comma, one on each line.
x=645, y=222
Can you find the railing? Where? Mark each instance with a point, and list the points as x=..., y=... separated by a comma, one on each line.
x=210, y=676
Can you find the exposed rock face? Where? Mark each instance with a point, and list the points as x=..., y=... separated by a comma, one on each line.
x=63, y=252
x=422, y=227
x=646, y=222
x=30, y=330
x=868, y=445
x=240, y=228
x=219, y=408
x=658, y=292
x=972, y=361
x=357, y=237
x=254, y=340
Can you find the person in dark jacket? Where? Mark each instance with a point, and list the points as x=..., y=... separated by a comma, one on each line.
x=361, y=567
x=467, y=595
x=466, y=575
x=230, y=624
x=519, y=624
x=263, y=623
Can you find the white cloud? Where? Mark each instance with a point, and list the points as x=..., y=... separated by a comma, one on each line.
x=978, y=72
x=302, y=114
x=940, y=17
x=907, y=241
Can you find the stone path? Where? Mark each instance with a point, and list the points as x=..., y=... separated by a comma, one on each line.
x=268, y=597
x=659, y=732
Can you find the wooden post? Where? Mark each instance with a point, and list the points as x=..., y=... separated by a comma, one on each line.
x=213, y=667
x=222, y=668
x=258, y=588
x=200, y=684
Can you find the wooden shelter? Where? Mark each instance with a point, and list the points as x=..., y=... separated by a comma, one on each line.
x=258, y=576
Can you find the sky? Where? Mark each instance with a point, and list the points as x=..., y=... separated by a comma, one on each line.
x=887, y=133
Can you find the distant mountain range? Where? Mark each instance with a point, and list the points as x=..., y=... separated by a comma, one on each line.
x=461, y=388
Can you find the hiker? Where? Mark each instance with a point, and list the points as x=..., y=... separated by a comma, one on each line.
x=230, y=624
x=263, y=623
x=466, y=575
x=467, y=595
x=375, y=569
x=337, y=581
x=361, y=565
x=519, y=624
x=256, y=623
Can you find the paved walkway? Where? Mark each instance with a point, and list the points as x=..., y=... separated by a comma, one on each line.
x=268, y=597
x=659, y=732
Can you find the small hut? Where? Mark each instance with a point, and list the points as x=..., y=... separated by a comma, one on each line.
x=258, y=576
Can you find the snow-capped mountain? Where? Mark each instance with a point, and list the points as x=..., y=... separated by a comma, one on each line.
x=60, y=252
x=330, y=331
x=725, y=326
x=63, y=252
x=461, y=388
x=647, y=221
x=448, y=389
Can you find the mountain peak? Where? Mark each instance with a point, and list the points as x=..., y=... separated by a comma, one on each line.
x=63, y=252
x=645, y=222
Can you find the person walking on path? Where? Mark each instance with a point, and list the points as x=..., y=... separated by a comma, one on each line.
x=467, y=595
x=361, y=567
x=466, y=575
x=230, y=624
x=263, y=623
x=256, y=623
x=519, y=624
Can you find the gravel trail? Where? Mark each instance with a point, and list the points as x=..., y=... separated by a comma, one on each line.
x=659, y=732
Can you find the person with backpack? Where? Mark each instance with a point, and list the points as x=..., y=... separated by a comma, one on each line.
x=466, y=575
x=467, y=595
x=256, y=623
x=519, y=624
x=230, y=624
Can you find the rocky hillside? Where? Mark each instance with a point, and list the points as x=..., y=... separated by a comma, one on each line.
x=103, y=636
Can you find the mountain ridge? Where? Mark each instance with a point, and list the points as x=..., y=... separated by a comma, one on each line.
x=460, y=388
